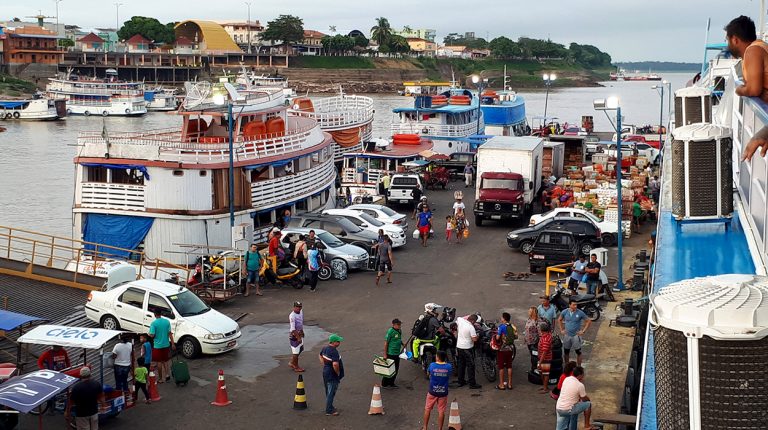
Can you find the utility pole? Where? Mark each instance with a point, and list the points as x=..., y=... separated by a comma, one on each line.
x=117, y=16
x=57, y=19
x=248, y=25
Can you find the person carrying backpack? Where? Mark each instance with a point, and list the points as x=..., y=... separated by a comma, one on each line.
x=505, y=341
x=425, y=328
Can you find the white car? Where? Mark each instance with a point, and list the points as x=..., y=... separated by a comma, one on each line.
x=367, y=222
x=607, y=229
x=648, y=151
x=196, y=327
x=382, y=213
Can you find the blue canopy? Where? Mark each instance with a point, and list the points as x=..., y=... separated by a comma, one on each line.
x=119, y=231
x=11, y=320
x=142, y=169
x=13, y=104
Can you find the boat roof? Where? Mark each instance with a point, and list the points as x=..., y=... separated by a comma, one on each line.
x=395, y=151
x=524, y=143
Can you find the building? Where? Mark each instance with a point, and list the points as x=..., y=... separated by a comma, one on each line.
x=32, y=44
x=448, y=51
x=312, y=43
x=109, y=35
x=183, y=46
x=137, y=43
x=420, y=33
x=59, y=30
x=2, y=39
x=209, y=37
x=90, y=43
x=422, y=47
x=240, y=31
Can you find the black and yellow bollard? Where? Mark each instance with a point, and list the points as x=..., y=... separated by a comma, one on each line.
x=300, y=399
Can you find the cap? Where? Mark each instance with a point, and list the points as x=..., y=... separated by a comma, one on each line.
x=335, y=338
x=297, y=304
x=544, y=297
x=85, y=372
x=396, y=321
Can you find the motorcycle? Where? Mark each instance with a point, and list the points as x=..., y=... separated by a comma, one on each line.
x=444, y=340
x=487, y=355
x=439, y=177
x=561, y=297
x=287, y=272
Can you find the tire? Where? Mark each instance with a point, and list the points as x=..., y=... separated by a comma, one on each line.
x=16, y=115
x=428, y=357
x=526, y=246
x=104, y=113
x=357, y=200
x=109, y=322
x=592, y=312
x=324, y=273
x=69, y=112
x=489, y=368
x=127, y=111
x=340, y=268
x=478, y=221
x=585, y=248
x=87, y=113
x=297, y=282
x=608, y=239
x=189, y=347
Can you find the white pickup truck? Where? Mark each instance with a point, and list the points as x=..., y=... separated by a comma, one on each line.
x=401, y=188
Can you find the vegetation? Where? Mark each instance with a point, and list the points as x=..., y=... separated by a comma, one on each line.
x=382, y=31
x=324, y=62
x=10, y=86
x=454, y=39
x=340, y=44
x=66, y=43
x=286, y=28
x=389, y=43
x=150, y=28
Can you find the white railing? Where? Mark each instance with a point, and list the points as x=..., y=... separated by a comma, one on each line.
x=291, y=187
x=96, y=88
x=437, y=130
x=350, y=175
x=99, y=195
x=340, y=112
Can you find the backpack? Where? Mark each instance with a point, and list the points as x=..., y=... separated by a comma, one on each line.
x=421, y=327
x=509, y=338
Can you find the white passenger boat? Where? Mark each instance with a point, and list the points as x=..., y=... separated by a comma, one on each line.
x=39, y=109
x=98, y=97
x=161, y=99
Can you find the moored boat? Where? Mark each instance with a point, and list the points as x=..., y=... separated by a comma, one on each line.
x=161, y=99
x=98, y=96
x=504, y=113
x=38, y=109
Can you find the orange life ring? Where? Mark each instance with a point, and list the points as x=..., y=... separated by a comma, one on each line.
x=303, y=104
x=459, y=100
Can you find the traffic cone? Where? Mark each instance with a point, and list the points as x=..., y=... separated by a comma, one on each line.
x=300, y=399
x=154, y=395
x=221, y=392
x=454, y=420
x=377, y=407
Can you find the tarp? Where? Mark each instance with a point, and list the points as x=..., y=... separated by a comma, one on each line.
x=12, y=105
x=73, y=337
x=142, y=169
x=119, y=231
x=26, y=392
x=11, y=320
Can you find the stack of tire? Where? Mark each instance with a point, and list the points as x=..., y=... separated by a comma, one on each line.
x=631, y=395
x=555, y=368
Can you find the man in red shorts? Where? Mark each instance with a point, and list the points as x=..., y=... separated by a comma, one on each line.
x=505, y=335
x=439, y=375
x=424, y=224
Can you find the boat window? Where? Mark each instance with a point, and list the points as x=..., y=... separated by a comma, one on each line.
x=178, y=173
x=203, y=173
x=127, y=176
x=96, y=174
x=133, y=297
x=156, y=302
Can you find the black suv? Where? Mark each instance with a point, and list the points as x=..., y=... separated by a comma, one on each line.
x=338, y=226
x=585, y=233
x=551, y=248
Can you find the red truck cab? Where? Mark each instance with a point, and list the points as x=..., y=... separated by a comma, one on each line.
x=501, y=197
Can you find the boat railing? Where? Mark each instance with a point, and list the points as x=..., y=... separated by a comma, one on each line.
x=103, y=195
x=437, y=130
x=351, y=175
x=340, y=111
x=69, y=88
x=290, y=187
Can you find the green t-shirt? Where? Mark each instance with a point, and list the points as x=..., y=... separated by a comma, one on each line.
x=636, y=209
x=160, y=329
x=140, y=374
x=394, y=341
x=253, y=260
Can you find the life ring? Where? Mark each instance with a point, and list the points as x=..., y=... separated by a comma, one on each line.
x=127, y=111
x=8, y=115
x=406, y=139
x=16, y=115
x=104, y=113
x=87, y=113
x=459, y=100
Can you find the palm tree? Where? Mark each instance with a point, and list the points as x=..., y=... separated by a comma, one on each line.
x=407, y=30
x=381, y=32
x=332, y=29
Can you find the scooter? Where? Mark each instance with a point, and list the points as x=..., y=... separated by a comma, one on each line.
x=561, y=298
x=444, y=340
x=287, y=273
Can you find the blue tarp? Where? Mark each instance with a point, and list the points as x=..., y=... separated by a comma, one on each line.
x=11, y=105
x=11, y=320
x=119, y=231
x=26, y=392
x=142, y=169
x=149, y=96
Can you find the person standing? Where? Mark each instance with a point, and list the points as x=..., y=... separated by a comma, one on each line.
x=300, y=254
x=296, y=336
x=469, y=171
x=465, y=345
x=140, y=381
x=313, y=264
x=86, y=396
x=393, y=345
x=545, y=355
x=449, y=226
x=418, y=200
x=252, y=266
x=577, y=272
x=439, y=377
x=384, y=254
x=572, y=402
x=546, y=311
x=532, y=334
x=333, y=371
x=593, y=274
x=276, y=251
x=146, y=349
x=162, y=337
x=505, y=335
x=573, y=323
x=121, y=354
x=424, y=223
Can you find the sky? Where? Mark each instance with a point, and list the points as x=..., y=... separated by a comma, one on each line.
x=629, y=30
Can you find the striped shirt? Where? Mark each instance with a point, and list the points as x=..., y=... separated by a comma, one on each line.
x=545, y=346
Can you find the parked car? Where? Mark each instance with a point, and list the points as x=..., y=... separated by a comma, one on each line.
x=551, y=248
x=401, y=188
x=585, y=233
x=367, y=222
x=608, y=229
x=354, y=257
x=383, y=213
x=648, y=151
x=338, y=226
x=196, y=327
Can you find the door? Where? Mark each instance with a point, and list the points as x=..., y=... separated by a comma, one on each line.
x=155, y=301
x=129, y=309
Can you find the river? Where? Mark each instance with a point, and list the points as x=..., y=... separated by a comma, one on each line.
x=37, y=183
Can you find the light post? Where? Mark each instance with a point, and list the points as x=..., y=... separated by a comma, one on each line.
x=548, y=79
x=481, y=84
x=612, y=103
x=57, y=20
x=248, y=25
x=220, y=99
x=117, y=16
x=660, y=90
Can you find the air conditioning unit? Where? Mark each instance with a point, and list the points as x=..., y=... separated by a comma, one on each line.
x=710, y=343
x=692, y=105
x=702, y=175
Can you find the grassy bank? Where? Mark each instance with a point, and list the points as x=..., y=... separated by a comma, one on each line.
x=323, y=62
x=13, y=87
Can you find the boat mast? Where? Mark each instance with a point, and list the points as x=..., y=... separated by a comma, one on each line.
x=706, y=42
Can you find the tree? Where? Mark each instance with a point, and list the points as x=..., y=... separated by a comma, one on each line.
x=285, y=28
x=66, y=43
x=361, y=41
x=150, y=28
x=407, y=29
x=398, y=45
x=588, y=55
x=455, y=39
x=504, y=47
x=381, y=32
x=332, y=29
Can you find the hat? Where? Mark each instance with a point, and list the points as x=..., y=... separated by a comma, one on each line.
x=85, y=372
x=396, y=321
x=335, y=338
x=297, y=304
x=544, y=297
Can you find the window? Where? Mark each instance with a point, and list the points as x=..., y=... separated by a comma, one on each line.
x=178, y=173
x=354, y=220
x=203, y=173
x=562, y=214
x=333, y=228
x=133, y=297
x=157, y=302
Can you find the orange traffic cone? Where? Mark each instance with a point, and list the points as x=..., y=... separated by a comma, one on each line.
x=377, y=407
x=221, y=392
x=454, y=420
x=300, y=399
x=154, y=395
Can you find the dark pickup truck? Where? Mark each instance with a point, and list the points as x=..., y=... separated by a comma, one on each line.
x=455, y=165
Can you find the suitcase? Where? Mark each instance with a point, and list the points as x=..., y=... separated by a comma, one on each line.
x=180, y=371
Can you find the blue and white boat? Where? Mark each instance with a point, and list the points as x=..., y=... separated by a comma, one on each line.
x=504, y=113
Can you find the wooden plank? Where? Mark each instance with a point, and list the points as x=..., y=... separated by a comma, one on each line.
x=618, y=419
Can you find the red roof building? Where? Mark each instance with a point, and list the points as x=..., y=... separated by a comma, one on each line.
x=138, y=43
x=90, y=43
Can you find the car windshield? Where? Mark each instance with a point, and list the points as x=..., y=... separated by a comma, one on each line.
x=330, y=240
x=388, y=211
x=348, y=225
x=504, y=184
x=188, y=304
x=371, y=220
x=592, y=217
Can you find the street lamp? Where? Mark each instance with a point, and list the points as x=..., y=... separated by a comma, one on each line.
x=57, y=19
x=660, y=90
x=117, y=16
x=548, y=79
x=220, y=99
x=481, y=84
x=612, y=103
x=248, y=25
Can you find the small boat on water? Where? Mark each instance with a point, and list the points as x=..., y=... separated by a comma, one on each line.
x=161, y=99
x=105, y=97
x=621, y=75
x=37, y=109
x=248, y=79
x=417, y=88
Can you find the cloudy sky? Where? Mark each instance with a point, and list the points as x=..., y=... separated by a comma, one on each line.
x=629, y=30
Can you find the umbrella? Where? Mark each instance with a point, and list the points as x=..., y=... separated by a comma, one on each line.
x=26, y=392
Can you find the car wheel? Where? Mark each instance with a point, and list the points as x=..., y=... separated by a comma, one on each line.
x=608, y=239
x=324, y=273
x=109, y=322
x=526, y=246
x=585, y=248
x=478, y=221
x=189, y=347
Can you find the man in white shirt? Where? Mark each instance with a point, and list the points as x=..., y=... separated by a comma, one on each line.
x=573, y=401
x=465, y=344
x=121, y=353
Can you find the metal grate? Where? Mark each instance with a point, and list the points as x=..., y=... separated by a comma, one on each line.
x=733, y=384
x=694, y=109
x=670, y=357
x=702, y=165
x=679, y=112
x=726, y=175
x=678, y=178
